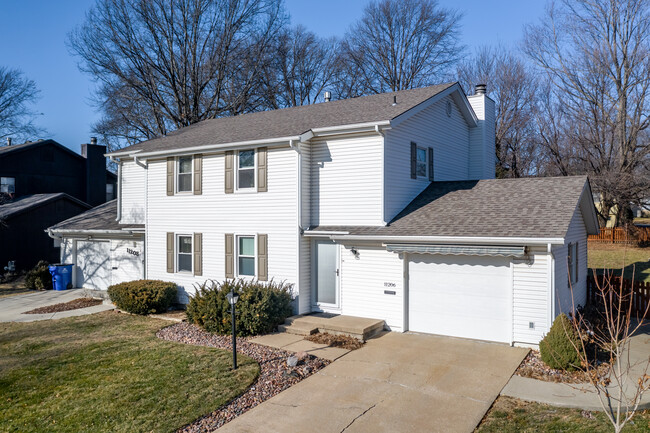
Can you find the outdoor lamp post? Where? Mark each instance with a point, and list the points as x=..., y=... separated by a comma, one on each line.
x=232, y=300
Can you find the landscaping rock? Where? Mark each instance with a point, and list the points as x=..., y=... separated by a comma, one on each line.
x=292, y=361
x=302, y=356
x=275, y=376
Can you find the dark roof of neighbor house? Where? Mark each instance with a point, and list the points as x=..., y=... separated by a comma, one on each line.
x=540, y=207
x=293, y=121
x=101, y=217
x=29, y=202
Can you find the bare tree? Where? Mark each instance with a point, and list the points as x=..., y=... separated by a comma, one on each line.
x=402, y=44
x=17, y=94
x=514, y=89
x=596, y=53
x=609, y=331
x=301, y=67
x=166, y=64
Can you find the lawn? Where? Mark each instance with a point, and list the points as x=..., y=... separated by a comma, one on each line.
x=16, y=287
x=615, y=256
x=109, y=372
x=509, y=415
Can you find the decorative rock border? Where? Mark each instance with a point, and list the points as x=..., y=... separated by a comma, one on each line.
x=275, y=375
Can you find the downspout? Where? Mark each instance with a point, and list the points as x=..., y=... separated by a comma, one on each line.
x=119, y=188
x=383, y=174
x=296, y=146
x=146, y=213
x=551, y=284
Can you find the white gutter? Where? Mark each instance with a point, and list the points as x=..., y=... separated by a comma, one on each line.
x=94, y=232
x=112, y=155
x=51, y=234
x=343, y=128
x=450, y=239
x=140, y=163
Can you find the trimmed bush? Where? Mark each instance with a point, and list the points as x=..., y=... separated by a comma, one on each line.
x=262, y=306
x=39, y=277
x=558, y=348
x=143, y=296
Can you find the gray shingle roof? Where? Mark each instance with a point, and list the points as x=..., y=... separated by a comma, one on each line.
x=291, y=122
x=540, y=207
x=101, y=217
x=28, y=202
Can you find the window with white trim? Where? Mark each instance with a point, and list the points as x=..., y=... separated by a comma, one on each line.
x=184, y=174
x=8, y=185
x=421, y=162
x=246, y=256
x=110, y=192
x=246, y=169
x=184, y=253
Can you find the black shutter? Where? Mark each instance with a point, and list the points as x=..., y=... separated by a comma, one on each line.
x=414, y=151
x=430, y=163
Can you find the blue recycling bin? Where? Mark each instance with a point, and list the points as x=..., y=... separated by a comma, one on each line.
x=61, y=276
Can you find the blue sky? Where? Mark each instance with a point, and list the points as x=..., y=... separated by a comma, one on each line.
x=33, y=37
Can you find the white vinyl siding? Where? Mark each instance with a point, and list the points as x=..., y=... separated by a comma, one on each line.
x=346, y=181
x=564, y=301
x=448, y=136
x=215, y=213
x=127, y=258
x=531, y=296
x=364, y=280
x=132, y=193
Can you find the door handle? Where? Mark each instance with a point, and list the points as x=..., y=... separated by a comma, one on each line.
x=337, y=272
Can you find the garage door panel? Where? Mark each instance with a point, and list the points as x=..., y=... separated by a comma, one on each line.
x=461, y=296
x=93, y=264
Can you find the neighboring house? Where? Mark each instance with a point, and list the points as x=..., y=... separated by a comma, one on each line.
x=42, y=183
x=22, y=222
x=382, y=206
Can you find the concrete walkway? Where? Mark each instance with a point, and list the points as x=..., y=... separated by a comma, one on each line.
x=395, y=383
x=583, y=396
x=297, y=343
x=13, y=307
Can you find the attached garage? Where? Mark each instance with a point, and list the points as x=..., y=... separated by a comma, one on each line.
x=92, y=264
x=460, y=296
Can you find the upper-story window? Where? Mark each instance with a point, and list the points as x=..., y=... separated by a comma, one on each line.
x=245, y=169
x=572, y=262
x=184, y=174
x=421, y=162
x=110, y=192
x=8, y=185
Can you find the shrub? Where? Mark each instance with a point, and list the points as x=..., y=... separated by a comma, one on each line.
x=143, y=296
x=39, y=277
x=261, y=307
x=559, y=348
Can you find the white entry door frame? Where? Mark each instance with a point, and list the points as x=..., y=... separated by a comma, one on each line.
x=326, y=287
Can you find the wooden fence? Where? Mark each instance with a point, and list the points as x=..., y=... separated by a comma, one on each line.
x=636, y=291
x=620, y=235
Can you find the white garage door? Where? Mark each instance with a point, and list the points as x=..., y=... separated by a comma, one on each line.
x=93, y=264
x=461, y=296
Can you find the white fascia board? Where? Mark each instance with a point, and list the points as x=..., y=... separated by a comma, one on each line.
x=588, y=210
x=324, y=233
x=123, y=153
x=460, y=98
x=352, y=128
x=208, y=148
x=72, y=233
x=453, y=239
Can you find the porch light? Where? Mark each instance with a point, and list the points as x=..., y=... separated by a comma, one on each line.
x=232, y=300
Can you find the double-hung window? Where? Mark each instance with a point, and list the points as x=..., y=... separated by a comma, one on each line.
x=421, y=162
x=246, y=169
x=184, y=174
x=8, y=185
x=184, y=253
x=246, y=256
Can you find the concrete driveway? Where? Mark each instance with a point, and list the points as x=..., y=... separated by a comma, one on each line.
x=13, y=307
x=396, y=383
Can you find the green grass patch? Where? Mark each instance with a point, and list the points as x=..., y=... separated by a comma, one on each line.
x=109, y=372
x=509, y=415
x=634, y=261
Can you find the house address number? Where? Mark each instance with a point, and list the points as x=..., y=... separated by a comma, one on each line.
x=133, y=252
x=390, y=284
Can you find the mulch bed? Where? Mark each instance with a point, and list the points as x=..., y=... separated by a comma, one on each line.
x=75, y=304
x=342, y=341
x=533, y=367
x=275, y=375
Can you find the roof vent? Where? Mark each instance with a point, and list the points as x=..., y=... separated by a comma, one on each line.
x=93, y=140
x=480, y=89
x=327, y=96
x=394, y=100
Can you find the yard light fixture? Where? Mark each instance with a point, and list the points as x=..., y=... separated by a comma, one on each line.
x=232, y=300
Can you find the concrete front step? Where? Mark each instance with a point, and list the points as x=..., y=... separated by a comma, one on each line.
x=357, y=327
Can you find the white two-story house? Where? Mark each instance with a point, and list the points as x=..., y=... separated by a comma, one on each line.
x=382, y=206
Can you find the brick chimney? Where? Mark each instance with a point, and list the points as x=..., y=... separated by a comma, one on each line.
x=95, y=172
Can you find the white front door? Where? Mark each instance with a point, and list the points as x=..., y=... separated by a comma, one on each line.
x=93, y=264
x=326, y=287
x=460, y=296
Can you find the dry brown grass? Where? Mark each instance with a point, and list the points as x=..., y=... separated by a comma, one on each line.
x=342, y=341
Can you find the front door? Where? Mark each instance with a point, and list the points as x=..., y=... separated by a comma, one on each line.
x=326, y=294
